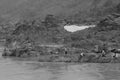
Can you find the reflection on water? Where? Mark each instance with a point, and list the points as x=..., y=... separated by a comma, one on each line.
x=11, y=69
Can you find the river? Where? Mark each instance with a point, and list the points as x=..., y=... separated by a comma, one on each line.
x=16, y=69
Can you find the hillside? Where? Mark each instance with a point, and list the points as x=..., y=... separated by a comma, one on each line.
x=106, y=32
x=43, y=28
x=77, y=9
x=33, y=28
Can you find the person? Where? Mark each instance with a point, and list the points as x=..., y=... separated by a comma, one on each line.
x=81, y=56
x=103, y=53
x=105, y=48
x=65, y=51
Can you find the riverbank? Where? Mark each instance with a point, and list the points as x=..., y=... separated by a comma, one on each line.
x=60, y=54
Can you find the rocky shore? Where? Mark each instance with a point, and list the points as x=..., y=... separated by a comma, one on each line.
x=62, y=54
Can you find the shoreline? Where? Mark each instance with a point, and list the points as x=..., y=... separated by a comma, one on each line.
x=70, y=57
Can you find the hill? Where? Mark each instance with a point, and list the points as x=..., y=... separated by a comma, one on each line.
x=76, y=9
x=27, y=24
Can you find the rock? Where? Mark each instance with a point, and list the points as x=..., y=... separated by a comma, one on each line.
x=117, y=21
x=6, y=52
x=89, y=57
x=104, y=60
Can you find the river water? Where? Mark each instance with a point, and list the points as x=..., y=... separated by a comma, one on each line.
x=14, y=69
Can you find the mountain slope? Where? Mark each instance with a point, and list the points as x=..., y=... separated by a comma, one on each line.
x=17, y=9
